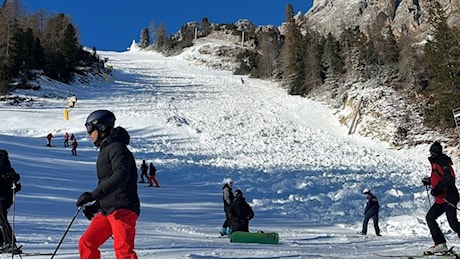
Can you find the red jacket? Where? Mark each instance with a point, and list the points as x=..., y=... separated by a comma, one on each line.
x=441, y=165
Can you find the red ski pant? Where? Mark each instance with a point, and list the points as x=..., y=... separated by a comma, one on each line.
x=121, y=223
x=152, y=179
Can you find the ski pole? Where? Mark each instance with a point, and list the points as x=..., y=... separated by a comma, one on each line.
x=451, y=204
x=428, y=195
x=13, y=240
x=65, y=233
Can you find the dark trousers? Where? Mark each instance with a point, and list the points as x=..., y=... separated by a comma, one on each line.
x=6, y=235
x=374, y=214
x=227, y=216
x=437, y=210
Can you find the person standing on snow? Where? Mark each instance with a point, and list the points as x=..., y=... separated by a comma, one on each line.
x=153, y=174
x=116, y=202
x=446, y=197
x=371, y=211
x=66, y=139
x=144, y=169
x=228, y=197
x=9, y=179
x=48, y=138
x=74, y=147
x=240, y=213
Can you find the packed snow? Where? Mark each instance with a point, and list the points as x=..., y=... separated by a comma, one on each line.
x=296, y=165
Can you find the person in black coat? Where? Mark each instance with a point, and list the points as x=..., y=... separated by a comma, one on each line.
x=116, y=202
x=371, y=211
x=144, y=169
x=9, y=185
x=240, y=213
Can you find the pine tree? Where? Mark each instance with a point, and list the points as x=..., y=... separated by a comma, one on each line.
x=293, y=59
x=331, y=61
x=442, y=56
x=145, y=38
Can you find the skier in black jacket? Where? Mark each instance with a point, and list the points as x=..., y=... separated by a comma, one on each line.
x=116, y=200
x=371, y=211
x=240, y=213
x=9, y=185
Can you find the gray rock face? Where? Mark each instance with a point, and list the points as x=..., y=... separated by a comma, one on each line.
x=404, y=16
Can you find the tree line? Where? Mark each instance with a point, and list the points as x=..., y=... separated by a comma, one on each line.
x=40, y=41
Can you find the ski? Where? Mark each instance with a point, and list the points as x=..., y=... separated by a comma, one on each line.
x=35, y=254
x=447, y=254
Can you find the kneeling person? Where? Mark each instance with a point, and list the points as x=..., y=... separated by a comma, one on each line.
x=240, y=213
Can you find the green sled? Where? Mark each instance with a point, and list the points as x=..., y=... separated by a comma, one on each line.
x=259, y=237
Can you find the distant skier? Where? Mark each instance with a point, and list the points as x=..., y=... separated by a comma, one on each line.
x=9, y=179
x=371, y=211
x=445, y=194
x=228, y=197
x=144, y=169
x=74, y=147
x=240, y=213
x=48, y=138
x=152, y=176
x=66, y=139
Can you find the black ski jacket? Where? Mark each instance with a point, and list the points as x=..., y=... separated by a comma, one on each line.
x=372, y=203
x=240, y=214
x=117, y=174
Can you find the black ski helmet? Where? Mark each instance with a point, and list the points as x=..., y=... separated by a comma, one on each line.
x=100, y=120
x=436, y=148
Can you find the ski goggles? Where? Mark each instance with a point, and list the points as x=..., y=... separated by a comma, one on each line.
x=91, y=126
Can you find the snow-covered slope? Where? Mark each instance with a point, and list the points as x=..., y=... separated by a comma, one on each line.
x=294, y=162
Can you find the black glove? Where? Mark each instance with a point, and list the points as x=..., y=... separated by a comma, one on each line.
x=84, y=198
x=435, y=192
x=18, y=187
x=90, y=210
x=426, y=181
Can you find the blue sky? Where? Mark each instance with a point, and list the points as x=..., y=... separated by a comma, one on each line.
x=112, y=25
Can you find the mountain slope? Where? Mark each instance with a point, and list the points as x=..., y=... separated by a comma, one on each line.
x=294, y=162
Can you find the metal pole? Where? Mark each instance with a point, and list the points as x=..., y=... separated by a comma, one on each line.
x=13, y=241
x=67, y=230
x=428, y=195
x=451, y=204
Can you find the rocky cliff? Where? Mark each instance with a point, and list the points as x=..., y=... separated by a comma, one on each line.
x=404, y=16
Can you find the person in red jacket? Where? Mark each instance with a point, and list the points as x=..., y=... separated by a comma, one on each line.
x=445, y=194
x=66, y=139
x=48, y=138
x=74, y=147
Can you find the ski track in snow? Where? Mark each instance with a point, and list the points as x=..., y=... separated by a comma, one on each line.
x=295, y=163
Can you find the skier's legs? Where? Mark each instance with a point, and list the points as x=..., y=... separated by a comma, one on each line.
x=435, y=211
x=156, y=182
x=375, y=219
x=5, y=225
x=99, y=230
x=451, y=214
x=367, y=216
x=227, y=218
x=150, y=181
x=123, y=224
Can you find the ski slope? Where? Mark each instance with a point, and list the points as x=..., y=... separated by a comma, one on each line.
x=296, y=165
